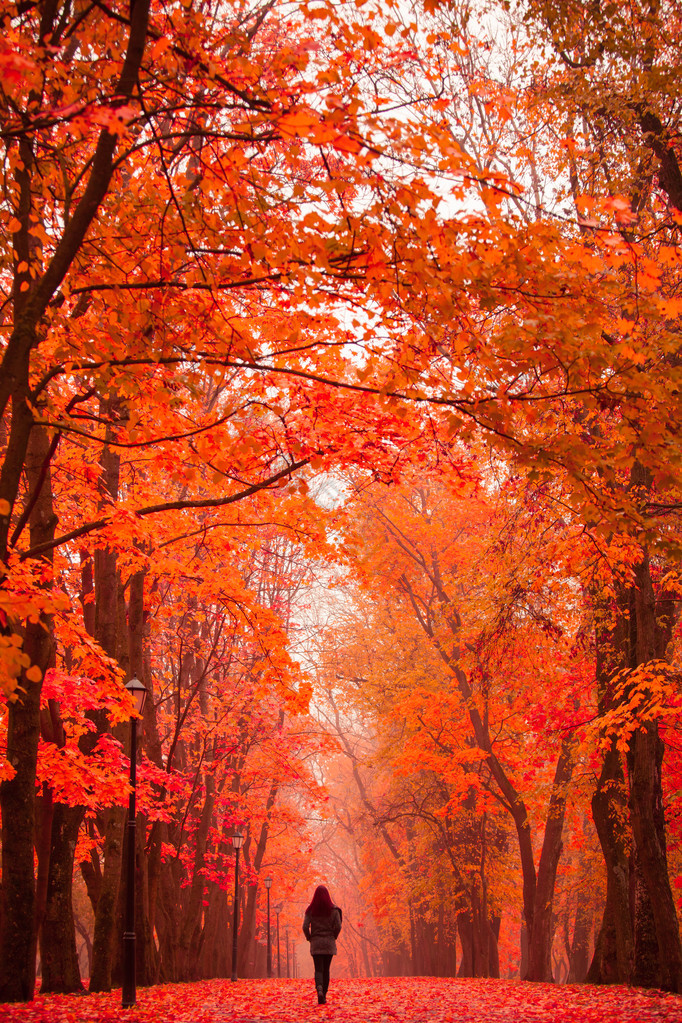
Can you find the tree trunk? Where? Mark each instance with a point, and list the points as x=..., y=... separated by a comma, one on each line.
x=215, y=951
x=466, y=943
x=58, y=954
x=612, y=962
x=494, y=950
x=168, y=920
x=578, y=951
x=478, y=940
x=613, y=953
x=662, y=967
x=44, y=812
x=107, y=904
x=17, y=801
x=541, y=936
x=653, y=622
x=18, y=938
x=639, y=939
x=523, y=942
x=646, y=966
x=87, y=941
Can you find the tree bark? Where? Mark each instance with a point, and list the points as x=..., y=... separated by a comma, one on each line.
x=168, y=920
x=540, y=949
x=107, y=903
x=18, y=938
x=653, y=621
x=466, y=943
x=614, y=950
x=17, y=800
x=58, y=953
x=578, y=949
x=664, y=969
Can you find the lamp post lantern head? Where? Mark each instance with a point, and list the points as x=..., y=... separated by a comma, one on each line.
x=238, y=839
x=267, y=882
x=138, y=691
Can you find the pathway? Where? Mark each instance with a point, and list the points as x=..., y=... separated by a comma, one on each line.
x=408, y=1000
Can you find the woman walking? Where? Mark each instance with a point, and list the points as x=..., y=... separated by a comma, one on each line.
x=321, y=926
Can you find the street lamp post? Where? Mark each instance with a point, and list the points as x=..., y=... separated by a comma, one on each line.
x=268, y=885
x=237, y=843
x=139, y=694
x=278, y=909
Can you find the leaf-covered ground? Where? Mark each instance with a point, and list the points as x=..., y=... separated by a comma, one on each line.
x=423, y=1000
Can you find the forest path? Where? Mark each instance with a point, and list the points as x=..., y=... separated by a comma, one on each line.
x=382, y=1000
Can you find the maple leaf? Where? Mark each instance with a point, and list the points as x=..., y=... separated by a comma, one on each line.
x=411, y=1000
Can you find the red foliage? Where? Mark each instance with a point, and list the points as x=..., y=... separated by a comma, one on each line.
x=359, y=1001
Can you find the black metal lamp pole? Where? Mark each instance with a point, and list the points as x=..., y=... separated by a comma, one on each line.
x=128, y=994
x=268, y=885
x=237, y=843
x=278, y=910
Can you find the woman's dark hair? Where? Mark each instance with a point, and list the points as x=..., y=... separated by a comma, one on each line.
x=321, y=903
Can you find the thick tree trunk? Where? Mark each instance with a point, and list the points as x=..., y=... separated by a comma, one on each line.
x=17, y=800
x=523, y=942
x=639, y=940
x=579, y=947
x=481, y=936
x=445, y=954
x=18, y=937
x=613, y=955
x=60, y=966
x=494, y=950
x=107, y=904
x=646, y=967
x=148, y=864
x=466, y=943
x=215, y=951
x=478, y=941
x=653, y=623
x=58, y=954
x=168, y=920
x=91, y=872
x=612, y=962
x=43, y=837
x=540, y=946
x=87, y=942
x=661, y=967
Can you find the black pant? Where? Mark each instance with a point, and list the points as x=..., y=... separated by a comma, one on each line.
x=322, y=964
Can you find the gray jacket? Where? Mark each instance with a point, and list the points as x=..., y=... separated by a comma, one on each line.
x=322, y=932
